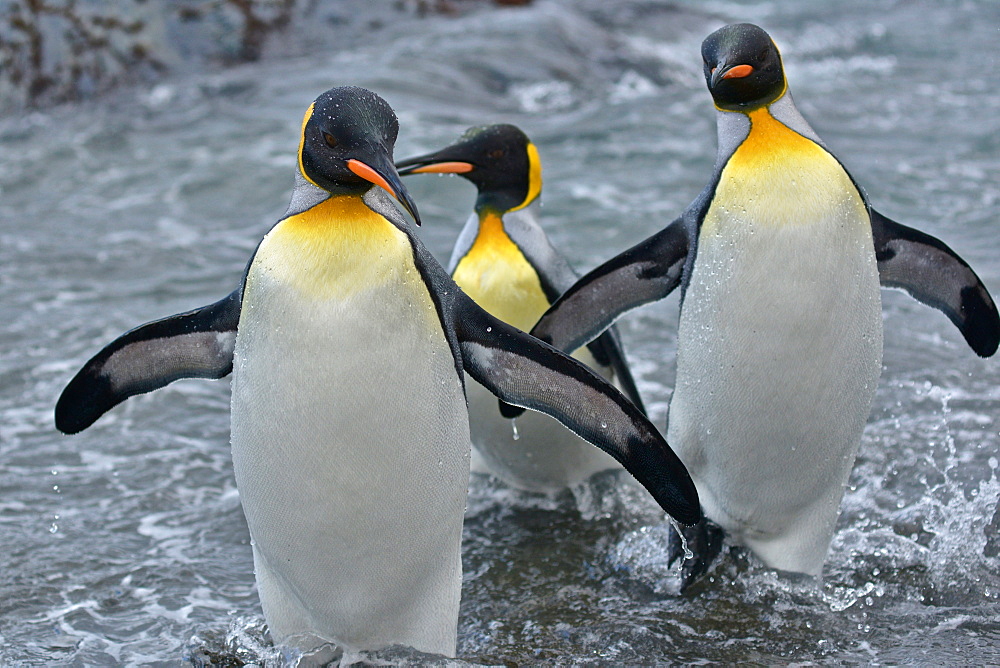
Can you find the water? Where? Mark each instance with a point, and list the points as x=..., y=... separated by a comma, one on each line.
x=126, y=544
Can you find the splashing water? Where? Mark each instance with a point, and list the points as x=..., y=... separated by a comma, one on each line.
x=685, y=550
x=151, y=562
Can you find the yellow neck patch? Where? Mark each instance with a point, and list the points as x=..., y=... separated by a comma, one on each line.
x=534, y=177
x=335, y=249
x=496, y=275
x=778, y=177
x=771, y=142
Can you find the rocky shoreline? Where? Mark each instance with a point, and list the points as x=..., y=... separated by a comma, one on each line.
x=54, y=51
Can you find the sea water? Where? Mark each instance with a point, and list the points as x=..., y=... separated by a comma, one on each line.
x=126, y=543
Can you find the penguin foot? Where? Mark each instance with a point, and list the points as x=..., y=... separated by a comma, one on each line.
x=704, y=540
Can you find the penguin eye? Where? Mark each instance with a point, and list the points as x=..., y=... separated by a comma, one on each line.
x=330, y=140
x=497, y=153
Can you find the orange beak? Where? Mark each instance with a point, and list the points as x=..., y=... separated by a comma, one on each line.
x=738, y=72
x=443, y=168
x=389, y=182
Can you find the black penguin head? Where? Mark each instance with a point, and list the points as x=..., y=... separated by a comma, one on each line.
x=347, y=138
x=499, y=159
x=742, y=67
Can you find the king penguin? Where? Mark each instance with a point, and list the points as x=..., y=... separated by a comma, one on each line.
x=779, y=344
x=505, y=262
x=350, y=438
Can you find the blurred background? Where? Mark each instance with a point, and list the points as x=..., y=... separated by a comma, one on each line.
x=146, y=146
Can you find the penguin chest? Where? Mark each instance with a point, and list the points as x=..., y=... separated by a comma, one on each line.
x=780, y=338
x=350, y=436
x=534, y=452
x=497, y=276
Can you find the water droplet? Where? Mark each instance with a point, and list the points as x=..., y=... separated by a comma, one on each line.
x=513, y=426
x=604, y=425
x=688, y=554
x=53, y=528
x=489, y=329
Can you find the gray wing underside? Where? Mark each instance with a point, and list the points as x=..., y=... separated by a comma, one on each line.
x=525, y=372
x=644, y=273
x=195, y=344
x=934, y=274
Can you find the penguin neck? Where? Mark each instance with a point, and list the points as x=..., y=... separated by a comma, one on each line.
x=784, y=110
x=494, y=225
x=492, y=237
x=734, y=126
x=768, y=135
x=339, y=221
x=335, y=248
x=500, y=202
x=778, y=177
x=497, y=276
x=305, y=195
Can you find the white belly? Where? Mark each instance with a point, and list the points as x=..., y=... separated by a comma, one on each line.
x=351, y=450
x=779, y=354
x=544, y=456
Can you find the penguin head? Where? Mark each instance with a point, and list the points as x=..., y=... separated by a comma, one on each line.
x=348, y=135
x=742, y=67
x=499, y=159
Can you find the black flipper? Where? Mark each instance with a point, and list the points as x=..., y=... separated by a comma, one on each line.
x=932, y=273
x=607, y=350
x=195, y=344
x=556, y=276
x=644, y=273
x=525, y=372
x=648, y=271
x=704, y=540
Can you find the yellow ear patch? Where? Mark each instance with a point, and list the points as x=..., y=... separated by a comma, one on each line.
x=496, y=275
x=335, y=249
x=302, y=143
x=534, y=177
